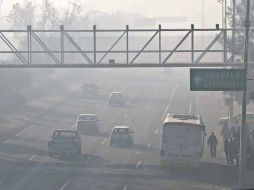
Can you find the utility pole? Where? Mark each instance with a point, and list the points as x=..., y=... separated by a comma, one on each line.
x=224, y=25
x=231, y=106
x=243, y=129
x=203, y=14
x=225, y=33
x=233, y=32
x=225, y=15
x=222, y=12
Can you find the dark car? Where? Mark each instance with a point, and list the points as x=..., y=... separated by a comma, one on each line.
x=121, y=136
x=90, y=90
x=64, y=142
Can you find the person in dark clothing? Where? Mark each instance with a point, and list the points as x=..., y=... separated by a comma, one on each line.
x=233, y=148
x=212, y=142
x=226, y=149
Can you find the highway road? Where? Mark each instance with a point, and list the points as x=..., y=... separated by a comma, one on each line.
x=150, y=94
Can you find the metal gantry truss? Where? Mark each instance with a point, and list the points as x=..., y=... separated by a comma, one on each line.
x=90, y=57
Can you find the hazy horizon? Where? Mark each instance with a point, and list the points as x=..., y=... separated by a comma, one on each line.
x=149, y=8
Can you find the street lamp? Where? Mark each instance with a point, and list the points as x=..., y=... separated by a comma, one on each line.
x=222, y=11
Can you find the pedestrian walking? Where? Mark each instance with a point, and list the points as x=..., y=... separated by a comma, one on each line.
x=233, y=148
x=225, y=132
x=225, y=135
x=212, y=143
x=226, y=149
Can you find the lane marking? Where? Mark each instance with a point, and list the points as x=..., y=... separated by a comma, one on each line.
x=190, y=110
x=7, y=141
x=32, y=158
x=157, y=131
x=88, y=159
x=125, y=115
x=23, y=131
x=138, y=164
x=124, y=188
x=169, y=102
x=211, y=187
x=20, y=133
x=148, y=147
x=104, y=141
x=25, y=178
x=65, y=185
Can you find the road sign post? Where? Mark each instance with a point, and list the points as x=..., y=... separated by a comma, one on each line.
x=243, y=131
x=216, y=79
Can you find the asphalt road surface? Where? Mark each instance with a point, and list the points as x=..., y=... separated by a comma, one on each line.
x=25, y=164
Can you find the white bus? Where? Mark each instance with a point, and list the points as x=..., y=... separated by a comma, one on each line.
x=182, y=141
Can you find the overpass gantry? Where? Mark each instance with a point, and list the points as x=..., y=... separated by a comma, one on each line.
x=59, y=44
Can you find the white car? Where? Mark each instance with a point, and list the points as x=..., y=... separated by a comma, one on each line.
x=236, y=120
x=122, y=136
x=88, y=123
x=223, y=121
x=116, y=99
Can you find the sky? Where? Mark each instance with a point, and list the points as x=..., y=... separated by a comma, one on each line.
x=149, y=8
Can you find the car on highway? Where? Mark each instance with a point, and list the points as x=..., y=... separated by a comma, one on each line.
x=88, y=123
x=121, y=136
x=116, y=99
x=64, y=142
x=223, y=121
x=90, y=90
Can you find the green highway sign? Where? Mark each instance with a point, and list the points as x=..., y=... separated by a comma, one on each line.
x=216, y=79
